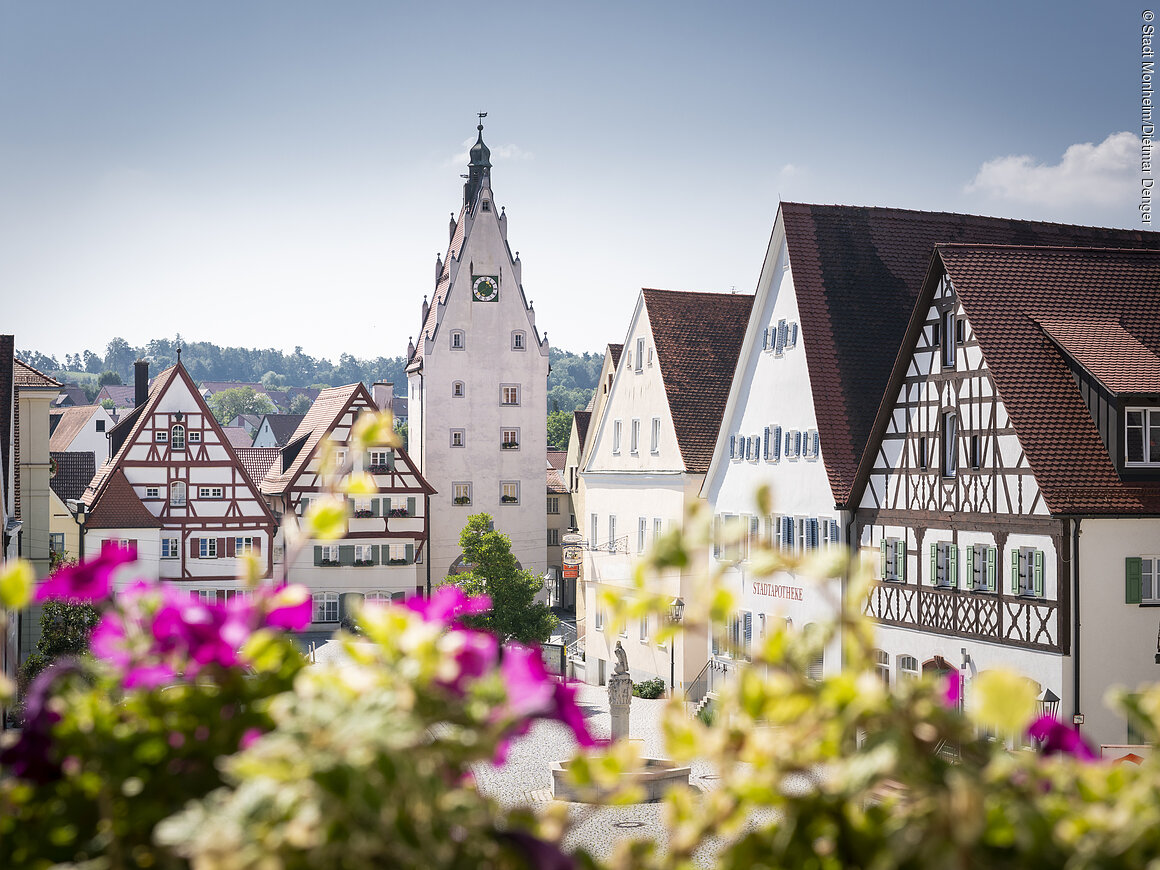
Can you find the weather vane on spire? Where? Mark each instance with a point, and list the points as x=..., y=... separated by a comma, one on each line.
x=482, y=115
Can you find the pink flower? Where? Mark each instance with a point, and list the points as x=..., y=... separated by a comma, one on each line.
x=446, y=604
x=534, y=693
x=953, y=691
x=87, y=581
x=149, y=676
x=475, y=654
x=249, y=738
x=290, y=608
x=1056, y=738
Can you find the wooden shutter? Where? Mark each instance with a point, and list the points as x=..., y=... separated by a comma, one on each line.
x=882, y=560
x=953, y=565
x=1038, y=573
x=970, y=554
x=221, y=547
x=410, y=549
x=748, y=633
x=1015, y=571
x=813, y=533
x=776, y=443
x=934, y=564
x=816, y=447
x=1133, y=580
x=900, y=558
x=257, y=546
x=411, y=506
x=992, y=560
x=375, y=560
x=231, y=547
x=346, y=554
x=765, y=445
x=317, y=556
x=732, y=446
x=195, y=548
x=793, y=329
x=797, y=443
x=375, y=507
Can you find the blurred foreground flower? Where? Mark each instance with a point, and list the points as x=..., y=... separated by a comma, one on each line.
x=86, y=581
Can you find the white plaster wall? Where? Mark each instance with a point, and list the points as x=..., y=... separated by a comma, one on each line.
x=89, y=439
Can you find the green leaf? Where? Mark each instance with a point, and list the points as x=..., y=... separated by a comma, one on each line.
x=16, y=579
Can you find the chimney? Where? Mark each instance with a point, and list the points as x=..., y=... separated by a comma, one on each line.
x=140, y=382
x=384, y=395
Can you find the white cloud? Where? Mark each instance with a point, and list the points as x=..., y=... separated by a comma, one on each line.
x=503, y=152
x=1103, y=174
x=789, y=171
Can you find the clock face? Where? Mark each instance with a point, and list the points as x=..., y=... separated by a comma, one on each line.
x=485, y=288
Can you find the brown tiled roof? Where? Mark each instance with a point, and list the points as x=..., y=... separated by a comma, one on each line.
x=123, y=395
x=24, y=375
x=857, y=272
x=698, y=337
x=582, y=418
x=282, y=426
x=1006, y=292
x=118, y=507
x=74, y=470
x=71, y=394
x=1111, y=354
x=238, y=436
x=72, y=421
x=556, y=458
x=441, y=288
x=614, y=350
x=555, y=481
x=258, y=460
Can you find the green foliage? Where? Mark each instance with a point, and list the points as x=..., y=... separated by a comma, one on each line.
x=649, y=689
x=108, y=404
x=300, y=404
x=227, y=404
x=707, y=715
x=65, y=628
x=515, y=614
x=107, y=378
x=559, y=429
x=401, y=429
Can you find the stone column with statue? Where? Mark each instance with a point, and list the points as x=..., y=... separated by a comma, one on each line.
x=620, y=694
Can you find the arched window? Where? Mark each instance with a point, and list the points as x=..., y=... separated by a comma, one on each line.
x=177, y=494
x=882, y=665
x=457, y=389
x=907, y=668
x=458, y=342
x=177, y=437
x=378, y=596
x=325, y=607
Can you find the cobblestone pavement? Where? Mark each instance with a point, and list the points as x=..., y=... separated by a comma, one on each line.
x=526, y=777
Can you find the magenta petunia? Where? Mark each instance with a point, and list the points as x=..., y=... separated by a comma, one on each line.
x=249, y=738
x=87, y=581
x=534, y=693
x=953, y=691
x=446, y=604
x=1055, y=738
x=290, y=608
x=148, y=676
x=475, y=654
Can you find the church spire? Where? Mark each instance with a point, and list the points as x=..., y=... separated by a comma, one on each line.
x=478, y=166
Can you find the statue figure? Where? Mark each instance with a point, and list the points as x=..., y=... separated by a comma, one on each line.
x=621, y=660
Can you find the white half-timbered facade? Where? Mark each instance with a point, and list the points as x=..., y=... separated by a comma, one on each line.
x=176, y=493
x=383, y=553
x=999, y=503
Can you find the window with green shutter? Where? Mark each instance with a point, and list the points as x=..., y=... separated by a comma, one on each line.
x=900, y=560
x=1038, y=574
x=1133, y=566
x=992, y=569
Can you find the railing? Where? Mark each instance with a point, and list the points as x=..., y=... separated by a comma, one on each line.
x=1015, y=621
x=712, y=678
x=698, y=688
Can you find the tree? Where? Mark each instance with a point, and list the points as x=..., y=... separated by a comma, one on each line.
x=515, y=614
x=65, y=628
x=300, y=404
x=228, y=404
x=108, y=404
x=401, y=429
x=107, y=378
x=119, y=356
x=559, y=429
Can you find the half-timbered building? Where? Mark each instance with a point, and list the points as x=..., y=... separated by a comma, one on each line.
x=383, y=554
x=1014, y=480
x=175, y=491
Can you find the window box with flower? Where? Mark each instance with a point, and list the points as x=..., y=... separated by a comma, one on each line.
x=398, y=512
x=379, y=469
x=402, y=561
x=363, y=513
x=509, y=445
x=364, y=563
x=462, y=499
x=509, y=499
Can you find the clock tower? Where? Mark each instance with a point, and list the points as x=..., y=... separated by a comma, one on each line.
x=477, y=382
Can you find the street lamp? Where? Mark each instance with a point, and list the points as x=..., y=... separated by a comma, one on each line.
x=676, y=611
x=1048, y=703
x=81, y=516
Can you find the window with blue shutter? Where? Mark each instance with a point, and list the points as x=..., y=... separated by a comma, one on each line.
x=781, y=337
x=776, y=439
x=813, y=533
x=793, y=329
x=765, y=445
x=787, y=533
x=732, y=446
x=797, y=443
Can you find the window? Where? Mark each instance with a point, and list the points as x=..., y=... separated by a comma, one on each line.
x=177, y=494
x=518, y=340
x=1027, y=572
x=612, y=534
x=56, y=542
x=772, y=443
x=100, y=425
x=177, y=437
x=948, y=334
x=634, y=438
x=907, y=668
x=779, y=339
x=380, y=461
x=1142, y=436
x=641, y=532
x=207, y=548
x=950, y=451
x=553, y=504
x=615, y=436
x=485, y=204
x=644, y=629
x=812, y=445
x=658, y=528
x=400, y=554
x=509, y=439
x=944, y=565
x=243, y=546
x=650, y=355
x=510, y=492
x=882, y=666
x=170, y=548
x=461, y=493
x=457, y=390
x=640, y=354
x=655, y=443
x=458, y=438
x=510, y=394
x=553, y=537
x=152, y=492
x=210, y=492
x=325, y=607
x=593, y=528
x=922, y=461
x=458, y=342
x=981, y=563
x=831, y=536
x=793, y=445
x=364, y=555
x=161, y=437
x=194, y=437
x=599, y=618
x=205, y=596
x=976, y=452
x=893, y=559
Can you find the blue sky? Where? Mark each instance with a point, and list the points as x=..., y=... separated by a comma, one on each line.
x=276, y=174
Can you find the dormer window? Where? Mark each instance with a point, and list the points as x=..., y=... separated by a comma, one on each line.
x=457, y=340
x=1142, y=436
x=177, y=437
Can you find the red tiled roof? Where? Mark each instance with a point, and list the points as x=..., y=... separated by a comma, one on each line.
x=238, y=436
x=698, y=337
x=555, y=481
x=857, y=272
x=73, y=420
x=556, y=458
x=257, y=460
x=122, y=395
x=614, y=350
x=24, y=375
x=582, y=419
x=118, y=507
x=1109, y=353
x=1006, y=293
x=74, y=470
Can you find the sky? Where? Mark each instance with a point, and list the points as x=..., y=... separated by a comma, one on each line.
x=281, y=174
